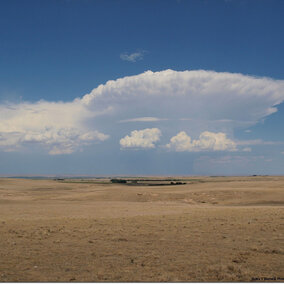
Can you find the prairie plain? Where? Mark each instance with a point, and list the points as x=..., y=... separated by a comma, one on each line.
x=208, y=229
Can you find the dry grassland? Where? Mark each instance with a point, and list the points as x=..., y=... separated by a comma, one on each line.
x=210, y=229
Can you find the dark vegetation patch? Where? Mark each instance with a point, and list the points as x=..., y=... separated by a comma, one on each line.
x=147, y=182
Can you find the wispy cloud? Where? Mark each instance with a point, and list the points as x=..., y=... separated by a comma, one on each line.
x=259, y=142
x=132, y=57
x=232, y=160
x=247, y=149
x=143, y=119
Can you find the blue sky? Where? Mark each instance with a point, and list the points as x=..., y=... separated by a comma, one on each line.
x=207, y=104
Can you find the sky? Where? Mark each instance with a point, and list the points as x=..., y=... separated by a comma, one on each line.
x=140, y=87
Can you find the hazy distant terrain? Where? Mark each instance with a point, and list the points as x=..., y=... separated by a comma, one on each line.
x=209, y=229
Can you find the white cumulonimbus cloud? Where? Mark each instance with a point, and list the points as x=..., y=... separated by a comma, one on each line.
x=190, y=101
x=208, y=141
x=141, y=138
x=58, y=127
x=197, y=95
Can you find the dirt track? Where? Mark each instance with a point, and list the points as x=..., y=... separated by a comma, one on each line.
x=211, y=229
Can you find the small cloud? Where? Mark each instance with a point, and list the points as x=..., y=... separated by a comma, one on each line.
x=208, y=141
x=282, y=153
x=132, y=57
x=248, y=131
x=142, y=119
x=141, y=138
x=247, y=149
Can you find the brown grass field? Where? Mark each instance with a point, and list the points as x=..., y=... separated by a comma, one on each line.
x=210, y=229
